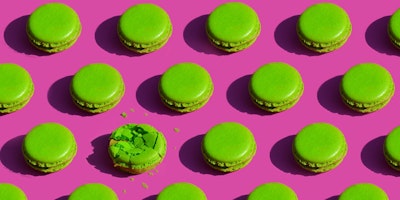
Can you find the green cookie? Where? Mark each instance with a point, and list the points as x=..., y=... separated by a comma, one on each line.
x=97, y=88
x=324, y=27
x=367, y=87
x=272, y=191
x=276, y=87
x=49, y=147
x=144, y=28
x=91, y=191
x=319, y=147
x=53, y=27
x=228, y=146
x=185, y=87
x=363, y=191
x=16, y=87
x=137, y=148
x=181, y=191
x=12, y=192
x=233, y=26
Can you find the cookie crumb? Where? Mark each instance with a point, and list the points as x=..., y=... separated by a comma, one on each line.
x=175, y=148
x=132, y=110
x=177, y=130
x=151, y=173
x=131, y=179
x=146, y=114
x=156, y=170
x=144, y=185
x=124, y=191
x=123, y=114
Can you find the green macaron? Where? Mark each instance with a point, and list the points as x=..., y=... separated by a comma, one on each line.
x=16, y=87
x=391, y=148
x=324, y=27
x=53, y=27
x=272, y=191
x=144, y=28
x=228, y=146
x=49, y=147
x=181, y=191
x=362, y=191
x=12, y=192
x=276, y=87
x=319, y=147
x=393, y=28
x=233, y=26
x=91, y=191
x=137, y=148
x=367, y=87
x=97, y=87
x=185, y=87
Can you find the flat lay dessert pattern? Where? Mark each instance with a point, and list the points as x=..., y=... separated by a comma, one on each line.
x=94, y=39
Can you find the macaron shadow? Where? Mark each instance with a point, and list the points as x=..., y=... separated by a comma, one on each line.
x=151, y=197
x=195, y=37
x=329, y=97
x=192, y=158
x=65, y=197
x=148, y=97
x=12, y=158
x=378, y=39
x=242, y=197
x=100, y=158
x=282, y=157
x=373, y=158
x=336, y=197
x=239, y=97
x=59, y=98
x=15, y=36
x=106, y=37
x=286, y=37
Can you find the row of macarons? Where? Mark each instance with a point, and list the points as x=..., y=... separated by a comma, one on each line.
x=231, y=27
x=186, y=87
x=226, y=147
x=186, y=190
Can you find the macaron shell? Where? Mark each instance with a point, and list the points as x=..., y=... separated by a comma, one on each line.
x=16, y=84
x=276, y=84
x=323, y=23
x=181, y=191
x=362, y=191
x=272, y=191
x=53, y=23
x=367, y=83
x=49, y=143
x=229, y=143
x=145, y=25
x=234, y=23
x=12, y=192
x=92, y=191
x=97, y=83
x=319, y=144
x=185, y=83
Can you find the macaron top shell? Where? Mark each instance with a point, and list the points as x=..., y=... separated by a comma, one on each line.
x=275, y=83
x=391, y=145
x=394, y=25
x=97, y=83
x=145, y=23
x=49, y=143
x=323, y=23
x=53, y=23
x=362, y=191
x=15, y=83
x=92, y=191
x=272, y=191
x=181, y=191
x=233, y=22
x=10, y=191
x=367, y=83
x=185, y=83
x=229, y=142
x=319, y=143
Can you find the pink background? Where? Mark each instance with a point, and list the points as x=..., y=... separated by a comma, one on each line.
x=230, y=102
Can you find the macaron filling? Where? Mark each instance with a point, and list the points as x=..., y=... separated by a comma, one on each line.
x=137, y=148
x=53, y=27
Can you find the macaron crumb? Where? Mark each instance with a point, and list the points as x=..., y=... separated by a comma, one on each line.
x=131, y=179
x=132, y=110
x=124, y=115
x=146, y=114
x=145, y=186
x=156, y=170
x=151, y=174
x=124, y=191
x=177, y=130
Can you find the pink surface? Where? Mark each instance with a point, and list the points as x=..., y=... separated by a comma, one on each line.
x=230, y=102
